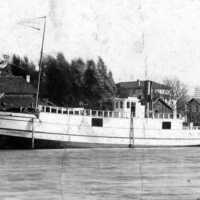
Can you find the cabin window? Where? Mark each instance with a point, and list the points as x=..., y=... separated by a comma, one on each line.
x=71, y=112
x=53, y=110
x=97, y=122
x=128, y=105
x=100, y=113
x=133, y=109
x=166, y=125
x=65, y=112
x=76, y=112
x=121, y=104
x=94, y=112
x=116, y=105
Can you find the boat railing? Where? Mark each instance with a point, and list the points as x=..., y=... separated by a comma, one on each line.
x=82, y=111
x=99, y=113
x=165, y=116
x=194, y=127
x=191, y=127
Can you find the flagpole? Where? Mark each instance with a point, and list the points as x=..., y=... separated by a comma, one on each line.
x=40, y=64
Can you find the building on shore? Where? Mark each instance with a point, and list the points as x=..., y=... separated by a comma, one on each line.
x=138, y=88
x=16, y=93
x=154, y=96
x=193, y=111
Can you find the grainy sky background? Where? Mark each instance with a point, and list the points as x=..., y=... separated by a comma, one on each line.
x=114, y=30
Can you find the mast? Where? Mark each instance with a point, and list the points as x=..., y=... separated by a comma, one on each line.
x=146, y=75
x=145, y=65
x=40, y=64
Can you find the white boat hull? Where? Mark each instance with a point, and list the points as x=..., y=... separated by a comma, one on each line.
x=77, y=131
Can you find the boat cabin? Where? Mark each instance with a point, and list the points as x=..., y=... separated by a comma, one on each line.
x=155, y=109
x=129, y=105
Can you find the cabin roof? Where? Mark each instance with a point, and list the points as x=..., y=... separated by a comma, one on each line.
x=195, y=99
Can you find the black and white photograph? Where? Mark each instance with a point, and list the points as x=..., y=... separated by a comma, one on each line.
x=100, y=100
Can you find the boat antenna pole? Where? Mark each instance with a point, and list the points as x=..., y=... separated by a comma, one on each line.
x=40, y=64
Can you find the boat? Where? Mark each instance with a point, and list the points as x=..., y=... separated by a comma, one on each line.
x=132, y=125
x=59, y=127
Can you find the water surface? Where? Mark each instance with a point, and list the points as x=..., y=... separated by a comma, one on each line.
x=99, y=174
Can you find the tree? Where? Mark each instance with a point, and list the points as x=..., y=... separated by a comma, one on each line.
x=69, y=84
x=92, y=88
x=178, y=92
x=106, y=80
x=56, y=80
x=77, y=69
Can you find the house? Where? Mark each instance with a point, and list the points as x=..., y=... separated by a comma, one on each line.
x=193, y=111
x=16, y=93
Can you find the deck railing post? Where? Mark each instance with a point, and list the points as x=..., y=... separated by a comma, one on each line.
x=131, y=134
x=33, y=137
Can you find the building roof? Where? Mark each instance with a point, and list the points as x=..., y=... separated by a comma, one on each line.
x=140, y=84
x=15, y=85
x=136, y=88
x=195, y=99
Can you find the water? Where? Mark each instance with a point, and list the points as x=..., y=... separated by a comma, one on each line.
x=99, y=174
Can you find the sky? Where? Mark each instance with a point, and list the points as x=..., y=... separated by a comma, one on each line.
x=162, y=37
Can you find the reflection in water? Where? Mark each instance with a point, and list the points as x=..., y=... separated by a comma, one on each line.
x=151, y=173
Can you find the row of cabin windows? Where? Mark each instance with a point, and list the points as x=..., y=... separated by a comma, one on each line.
x=119, y=104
